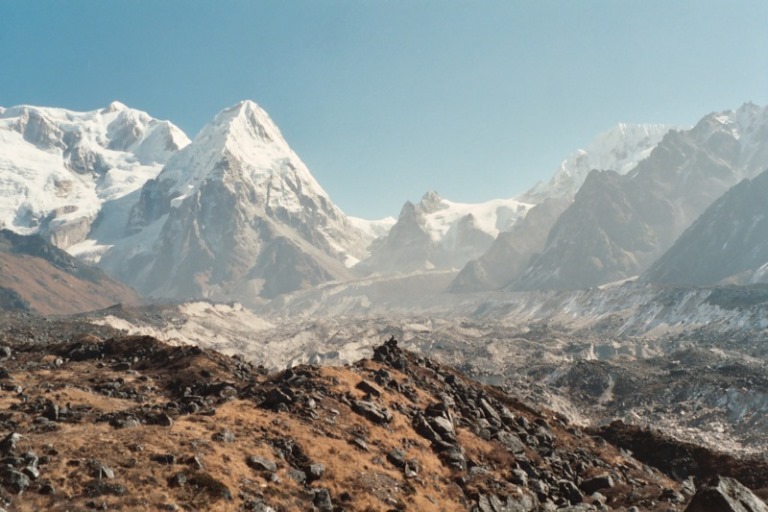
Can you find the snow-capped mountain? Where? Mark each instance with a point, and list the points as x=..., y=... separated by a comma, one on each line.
x=728, y=242
x=439, y=234
x=234, y=215
x=619, y=149
x=59, y=167
x=619, y=224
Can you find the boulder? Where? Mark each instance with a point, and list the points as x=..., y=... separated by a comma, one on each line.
x=260, y=464
x=596, y=483
x=371, y=411
x=14, y=480
x=725, y=494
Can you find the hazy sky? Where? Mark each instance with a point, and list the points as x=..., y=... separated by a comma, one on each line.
x=387, y=99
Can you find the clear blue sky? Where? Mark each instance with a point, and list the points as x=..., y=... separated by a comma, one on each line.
x=387, y=99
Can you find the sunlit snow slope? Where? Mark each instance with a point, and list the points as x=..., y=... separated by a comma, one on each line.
x=59, y=167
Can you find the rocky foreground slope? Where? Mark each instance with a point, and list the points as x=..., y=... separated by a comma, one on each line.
x=92, y=419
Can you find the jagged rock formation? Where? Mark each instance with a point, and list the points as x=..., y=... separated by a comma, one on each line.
x=38, y=276
x=618, y=225
x=185, y=427
x=729, y=242
x=235, y=215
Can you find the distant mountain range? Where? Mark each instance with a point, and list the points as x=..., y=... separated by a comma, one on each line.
x=235, y=215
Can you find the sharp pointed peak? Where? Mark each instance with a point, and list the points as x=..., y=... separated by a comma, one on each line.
x=244, y=108
x=245, y=121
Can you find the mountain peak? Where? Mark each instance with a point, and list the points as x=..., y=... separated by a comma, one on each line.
x=247, y=120
x=244, y=131
x=431, y=202
x=115, y=106
x=619, y=148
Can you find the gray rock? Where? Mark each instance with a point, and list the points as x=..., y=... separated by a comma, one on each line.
x=323, y=501
x=411, y=469
x=725, y=495
x=164, y=458
x=8, y=444
x=277, y=397
x=32, y=472
x=225, y=436
x=14, y=480
x=369, y=388
x=177, y=480
x=596, y=483
x=161, y=419
x=519, y=477
x=298, y=476
x=96, y=488
x=371, y=411
x=315, y=472
x=442, y=426
x=260, y=464
x=397, y=458
x=570, y=492
x=100, y=471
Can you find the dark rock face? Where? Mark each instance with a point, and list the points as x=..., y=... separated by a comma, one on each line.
x=682, y=460
x=596, y=483
x=725, y=495
x=14, y=480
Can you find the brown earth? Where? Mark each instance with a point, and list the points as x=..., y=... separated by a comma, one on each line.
x=129, y=423
x=36, y=276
